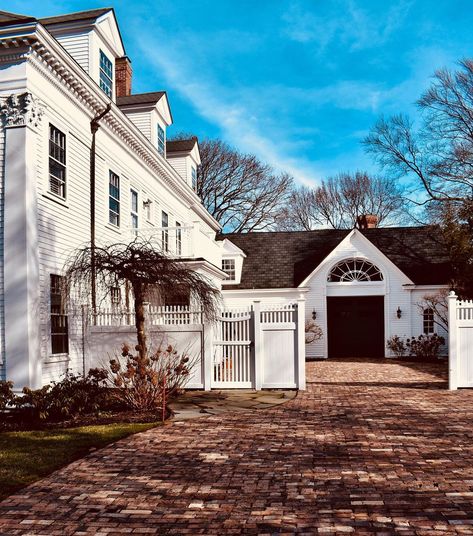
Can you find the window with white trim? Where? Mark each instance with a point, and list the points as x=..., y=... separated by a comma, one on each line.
x=354, y=271
x=165, y=232
x=428, y=321
x=161, y=140
x=134, y=208
x=178, y=239
x=115, y=295
x=57, y=162
x=58, y=318
x=106, y=74
x=228, y=266
x=114, y=199
x=194, y=178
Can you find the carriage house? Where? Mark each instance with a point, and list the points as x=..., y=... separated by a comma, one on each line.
x=361, y=286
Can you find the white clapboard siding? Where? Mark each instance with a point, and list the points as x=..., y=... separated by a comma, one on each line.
x=78, y=47
x=2, y=303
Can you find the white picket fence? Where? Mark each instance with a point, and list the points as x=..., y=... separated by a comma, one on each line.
x=156, y=315
x=249, y=347
x=460, y=342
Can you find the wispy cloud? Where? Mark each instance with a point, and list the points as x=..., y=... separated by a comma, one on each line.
x=345, y=22
x=220, y=105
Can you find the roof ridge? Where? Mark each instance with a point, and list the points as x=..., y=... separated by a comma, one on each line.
x=81, y=12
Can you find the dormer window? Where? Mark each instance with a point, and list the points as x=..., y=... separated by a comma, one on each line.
x=228, y=266
x=161, y=140
x=106, y=74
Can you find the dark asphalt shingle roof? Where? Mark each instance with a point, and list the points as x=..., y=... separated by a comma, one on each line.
x=285, y=259
x=178, y=146
x=7, y=18
x=141, y=98
x=91, y=14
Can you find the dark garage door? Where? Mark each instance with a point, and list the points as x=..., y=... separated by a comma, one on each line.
x=356, y=326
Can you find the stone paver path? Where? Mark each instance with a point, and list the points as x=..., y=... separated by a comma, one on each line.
x=370, y=448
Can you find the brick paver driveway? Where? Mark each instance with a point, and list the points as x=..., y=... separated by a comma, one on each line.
x=371, y=447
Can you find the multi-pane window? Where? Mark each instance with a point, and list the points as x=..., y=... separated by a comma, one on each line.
x=114, y=199
x=228, y=266
x=115, y=295
x=178, y=239
x=59, y=324
x=134, y=208
x=57, y=162
x=428, y=321
x=165, y=232
x=106, y=74
x=194, y=178
x=161, y=140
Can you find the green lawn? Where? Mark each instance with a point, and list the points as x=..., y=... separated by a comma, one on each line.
x=28, y=456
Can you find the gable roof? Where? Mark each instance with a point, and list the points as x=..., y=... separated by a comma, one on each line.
x=91, y=14
x=141, y=98
x=285, y=259
x=6, y=18
x=179, y=146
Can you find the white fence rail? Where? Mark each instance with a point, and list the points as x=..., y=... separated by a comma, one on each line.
x=250, y=347
x=460, y=337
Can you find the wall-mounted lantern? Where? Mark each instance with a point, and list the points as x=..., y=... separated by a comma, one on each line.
x=399, y=312
x=147, y=203
x=314, y=314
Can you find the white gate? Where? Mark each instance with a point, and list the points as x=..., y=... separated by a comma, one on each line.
x=232, y=364
x=460, y=339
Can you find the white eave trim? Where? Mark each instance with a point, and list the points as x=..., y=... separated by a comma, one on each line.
x=48, y=50
x=277, y=291
x=369, y=244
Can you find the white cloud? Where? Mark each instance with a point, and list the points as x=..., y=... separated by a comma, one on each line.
x=238, y=124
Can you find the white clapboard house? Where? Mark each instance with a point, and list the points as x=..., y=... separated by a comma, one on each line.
x=57, y=75
x=79, y=151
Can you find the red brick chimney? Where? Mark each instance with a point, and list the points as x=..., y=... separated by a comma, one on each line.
x=123, y=74
x=367, y=221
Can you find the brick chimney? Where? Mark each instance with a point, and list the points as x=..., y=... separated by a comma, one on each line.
x=123, y=74
x=367, y=221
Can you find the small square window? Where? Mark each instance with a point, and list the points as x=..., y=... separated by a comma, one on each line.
x=228, y=266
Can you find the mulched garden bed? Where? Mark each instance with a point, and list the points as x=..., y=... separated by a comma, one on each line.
x=10, y=422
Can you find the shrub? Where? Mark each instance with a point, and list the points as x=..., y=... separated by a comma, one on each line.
x=141, y=383
x=425, y=345
x=6, y=394
x=313, y=332
x=74, y=395
x=397, y=345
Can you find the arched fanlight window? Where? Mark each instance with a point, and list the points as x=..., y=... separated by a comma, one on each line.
x=352, y=270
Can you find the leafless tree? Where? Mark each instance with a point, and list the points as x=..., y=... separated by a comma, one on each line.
x=146, y=271
x=339, y=200
x=242, y=193
x=439, y=152
x=438, y=302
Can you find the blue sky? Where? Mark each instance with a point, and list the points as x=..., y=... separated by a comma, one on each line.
x=299, y=83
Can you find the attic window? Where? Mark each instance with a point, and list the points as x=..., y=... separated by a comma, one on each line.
x=228, y=266
x=106, y=74
x=354, y=270
x=161, y=140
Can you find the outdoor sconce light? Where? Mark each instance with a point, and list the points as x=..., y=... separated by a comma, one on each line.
x=399, y=312
x=147, y=203
x=314, y=314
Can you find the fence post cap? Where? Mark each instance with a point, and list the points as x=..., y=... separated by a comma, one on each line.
x=452, y=294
